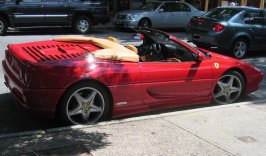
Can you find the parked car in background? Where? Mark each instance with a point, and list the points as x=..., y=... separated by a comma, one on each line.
x=236, y=29
x=170, y=14
x=78, y=14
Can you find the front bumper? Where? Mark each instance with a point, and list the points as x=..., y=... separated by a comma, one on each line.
x=254, y=82
x=41, y=101
x=126, y=23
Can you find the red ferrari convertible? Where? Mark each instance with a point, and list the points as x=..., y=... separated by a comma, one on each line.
x=83, y=80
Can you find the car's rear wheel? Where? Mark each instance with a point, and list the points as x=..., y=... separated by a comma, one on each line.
x=229, y=88
x=3, y=26
x=84, y=103
x=144, y=23
x=82, y=25
x=239, y=48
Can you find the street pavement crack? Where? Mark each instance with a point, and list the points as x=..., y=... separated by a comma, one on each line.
x=199, y=137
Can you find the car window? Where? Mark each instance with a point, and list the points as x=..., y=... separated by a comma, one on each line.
x=150, y=6
x=169, y=7
x=254, y=17
x=222, y=13
x=183, y=7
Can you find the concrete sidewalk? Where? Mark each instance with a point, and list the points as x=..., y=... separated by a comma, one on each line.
x=237, y=129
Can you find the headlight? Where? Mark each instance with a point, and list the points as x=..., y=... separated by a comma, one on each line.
x=132, y=16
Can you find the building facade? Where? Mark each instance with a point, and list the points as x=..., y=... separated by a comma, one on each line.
x=119, y=5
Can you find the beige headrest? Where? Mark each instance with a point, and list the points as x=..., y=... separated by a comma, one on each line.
x=110, y=38
x=133, y=48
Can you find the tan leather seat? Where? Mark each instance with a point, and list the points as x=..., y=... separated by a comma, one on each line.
x=133, y=48
x=110, y=38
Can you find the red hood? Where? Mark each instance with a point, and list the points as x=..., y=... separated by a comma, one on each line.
x=50, y=50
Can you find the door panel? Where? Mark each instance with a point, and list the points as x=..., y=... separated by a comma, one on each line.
x=56, y=12
x=29, y=13
x=166, y=82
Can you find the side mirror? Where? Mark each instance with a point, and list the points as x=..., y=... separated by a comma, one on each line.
x=138, y=36
x=199, y=57
x=161, y=10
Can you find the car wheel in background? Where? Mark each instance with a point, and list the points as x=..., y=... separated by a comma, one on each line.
x=82, y=25
x=239, y=48
x=3, y=26
x=144, y=23
x=229, y=88
x=84, y=103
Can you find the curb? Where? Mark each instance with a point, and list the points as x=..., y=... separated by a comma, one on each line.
x=69, y=128
x=21, y=134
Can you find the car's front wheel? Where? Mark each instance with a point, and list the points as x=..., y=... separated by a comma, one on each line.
x=239, y=48
x=84, y=103
x=229, y=88
x=3, y=26
x=144, y=23
x=82, y=25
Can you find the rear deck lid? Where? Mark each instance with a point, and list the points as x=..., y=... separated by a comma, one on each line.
x=50, y=50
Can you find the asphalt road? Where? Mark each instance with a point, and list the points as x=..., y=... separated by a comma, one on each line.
x=15, y=119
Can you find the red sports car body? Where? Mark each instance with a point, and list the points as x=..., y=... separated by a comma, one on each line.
x=58, y=77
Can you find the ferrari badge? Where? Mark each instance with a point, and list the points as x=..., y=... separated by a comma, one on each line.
x=216, y=65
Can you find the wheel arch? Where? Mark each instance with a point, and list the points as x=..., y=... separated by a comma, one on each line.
x=79, y=14
x=241, y=72
x=110, y=95
x=5, y=16
x=241, y=36
x=145, y=17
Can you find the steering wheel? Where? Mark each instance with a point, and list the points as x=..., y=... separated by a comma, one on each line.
x=154, y=52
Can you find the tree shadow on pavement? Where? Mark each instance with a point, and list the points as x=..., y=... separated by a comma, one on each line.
x=14, y=118
x=74, y=142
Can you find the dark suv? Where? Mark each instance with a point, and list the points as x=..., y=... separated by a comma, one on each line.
x=79, y=14
x=236, y=29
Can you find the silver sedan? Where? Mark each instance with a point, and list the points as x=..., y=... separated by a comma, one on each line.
x=170, y=14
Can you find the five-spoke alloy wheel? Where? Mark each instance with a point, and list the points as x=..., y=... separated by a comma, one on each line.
x=82, y=25
x=239, y=48
x=229, y=88
x=84, y=104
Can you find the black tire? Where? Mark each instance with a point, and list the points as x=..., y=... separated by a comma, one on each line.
x=82, y=25
x=223, y=88
x=3, y=26
x=144, y=23
x=239, y=48
x=86, y=90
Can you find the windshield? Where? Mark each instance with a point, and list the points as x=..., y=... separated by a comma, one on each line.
x=150, y=6
x=222, y=13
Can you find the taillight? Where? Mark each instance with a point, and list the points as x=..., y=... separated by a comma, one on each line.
x=218, y=27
